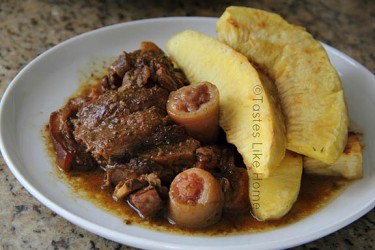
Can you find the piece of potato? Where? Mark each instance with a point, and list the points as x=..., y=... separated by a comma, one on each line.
x=249, y=115
x=273, y=197
x=349, y=164
x=309, y=87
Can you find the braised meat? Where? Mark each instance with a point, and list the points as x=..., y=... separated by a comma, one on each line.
x=147, y=201
x=70, y=154
x=125, y=118
x=111, y=132
x=220, y=161
x=145, y=67
x=166, y=161
x=128, y=108
x=123, y=126
x=176, y=156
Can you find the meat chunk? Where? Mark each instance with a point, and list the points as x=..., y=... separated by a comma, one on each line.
x=113, y=176
x=178, y=155
x=220, y=161
x=119, y=122
x=166, y=135
x=127, y=102
x=110, y=132
x=208, y=157
x=130, y=184
x=146, y=67
x=236, y=193
x=124, y=188
x=70, y=154
x=147, y=202
x=158, y=165
x=129, y=112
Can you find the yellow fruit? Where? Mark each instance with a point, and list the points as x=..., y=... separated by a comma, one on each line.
x=349, y=165
x=309, y=87
x=248, y=114
x=273, y=197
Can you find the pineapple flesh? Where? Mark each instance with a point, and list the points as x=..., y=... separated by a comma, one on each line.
x=249, y=114
x=273, y=197
x=349, y=164
x=309, y=87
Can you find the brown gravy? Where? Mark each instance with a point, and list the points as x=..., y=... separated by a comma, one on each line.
x=316, y=192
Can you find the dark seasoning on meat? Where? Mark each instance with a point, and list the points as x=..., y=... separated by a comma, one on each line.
x=121, y=129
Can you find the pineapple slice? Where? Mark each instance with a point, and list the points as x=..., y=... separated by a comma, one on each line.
x=349, y=165
x=309, y=87
x=273, y=197
x=249, y=115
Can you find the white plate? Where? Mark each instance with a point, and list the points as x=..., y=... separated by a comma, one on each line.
x=44, y=84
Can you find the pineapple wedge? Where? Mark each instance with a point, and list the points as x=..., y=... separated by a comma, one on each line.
x=309, y=87
x=249, y=115
x=349, y=165
x=273, y=197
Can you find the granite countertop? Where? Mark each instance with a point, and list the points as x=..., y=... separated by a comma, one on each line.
x=27, y=28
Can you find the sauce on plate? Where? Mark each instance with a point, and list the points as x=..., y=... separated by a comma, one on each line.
x=315, y=193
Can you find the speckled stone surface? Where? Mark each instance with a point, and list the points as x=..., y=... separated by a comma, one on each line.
x=27, y=28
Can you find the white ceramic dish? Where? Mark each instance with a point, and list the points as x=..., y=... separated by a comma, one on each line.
x=44, y=84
